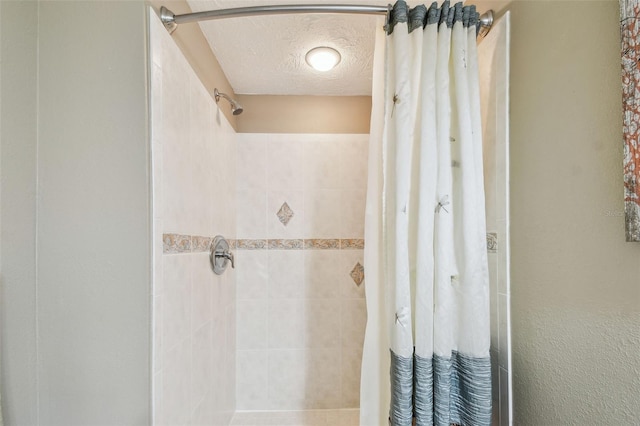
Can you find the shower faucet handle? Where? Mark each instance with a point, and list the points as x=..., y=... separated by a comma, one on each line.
x=220, y=256
x=227, y=255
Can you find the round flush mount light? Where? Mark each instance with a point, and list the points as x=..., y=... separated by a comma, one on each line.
x=323, y=58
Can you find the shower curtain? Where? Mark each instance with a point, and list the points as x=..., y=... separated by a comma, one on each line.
x=426, y=352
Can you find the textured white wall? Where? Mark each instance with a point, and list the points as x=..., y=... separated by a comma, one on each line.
x=575, y=282
x=76, y=270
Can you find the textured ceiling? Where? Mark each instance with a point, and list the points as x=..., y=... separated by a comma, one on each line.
x=265, y=54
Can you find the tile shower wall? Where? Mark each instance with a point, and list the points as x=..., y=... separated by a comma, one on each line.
x=494, y=72
x=301, y=308
x=193, y=161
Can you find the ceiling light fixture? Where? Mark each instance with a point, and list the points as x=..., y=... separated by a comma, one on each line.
x=323, y=58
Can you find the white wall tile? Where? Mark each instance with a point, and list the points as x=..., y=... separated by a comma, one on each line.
x=201, y=366
x=251, y=324
x=354, y=320
x=252, y=162
x=201, y=159
x=157, y=334
x=155, y=43
x=323, y=367
x=252, y=274
x=203, y=413
x=176, y=311
x=351, y=364
x=202, y=284
x=252, y=380
x=321, y=163
x=323, y=323
x=352, y=207
x=157, y=183
x=194, y=193
x=175, y=384
x=158, y=246
x=252, y=214
x=176, y=169
x=287, y=378
x=323, y=213
x=354, y=153
x=286, y=274
x=218, y=356
x=285, y=165
x=286, y=323
x=176, y=186
x=321, y=273
x=316, y=313
x=220, y=293
x=157, y=406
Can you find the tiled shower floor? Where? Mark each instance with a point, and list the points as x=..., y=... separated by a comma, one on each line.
x=346, y=417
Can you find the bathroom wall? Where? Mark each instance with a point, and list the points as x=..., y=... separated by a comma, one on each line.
x=18, y=180
x=493, y=57
x=304, y=114
x=301, y=308
x=575, y=285
x=75, y=215
x=194, y=157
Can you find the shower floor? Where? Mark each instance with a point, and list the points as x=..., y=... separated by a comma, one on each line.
x=344, y=417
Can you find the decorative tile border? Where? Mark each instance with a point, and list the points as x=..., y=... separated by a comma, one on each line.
x=322, y=244
x=178, y=243
x=199, y=244
x=352, y=244
x=285, y=244
x=251, y=244
x=301, y=244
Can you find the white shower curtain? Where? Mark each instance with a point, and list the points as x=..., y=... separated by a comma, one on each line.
x=427, y=284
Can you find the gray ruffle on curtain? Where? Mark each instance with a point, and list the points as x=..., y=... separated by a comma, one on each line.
x=420, y=16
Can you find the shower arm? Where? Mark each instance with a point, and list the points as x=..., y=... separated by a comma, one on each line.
x=171, y=20
x=217, y=95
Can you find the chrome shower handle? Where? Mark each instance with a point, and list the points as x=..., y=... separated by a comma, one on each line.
x=219, y=255
x=227, y=255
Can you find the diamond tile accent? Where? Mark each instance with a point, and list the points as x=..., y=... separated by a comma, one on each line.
x=285, y=214
x=357, y=273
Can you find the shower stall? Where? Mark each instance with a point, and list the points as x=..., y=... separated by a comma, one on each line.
x=277, y=339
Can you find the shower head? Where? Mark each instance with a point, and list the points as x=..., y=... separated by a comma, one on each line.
x=236, y=108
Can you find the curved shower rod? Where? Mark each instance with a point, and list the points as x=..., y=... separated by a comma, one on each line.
x=171, y=20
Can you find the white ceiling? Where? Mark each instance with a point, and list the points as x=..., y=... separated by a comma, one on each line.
x=265, y=54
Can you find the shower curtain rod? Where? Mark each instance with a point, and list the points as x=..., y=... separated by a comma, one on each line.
x=171, y=20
